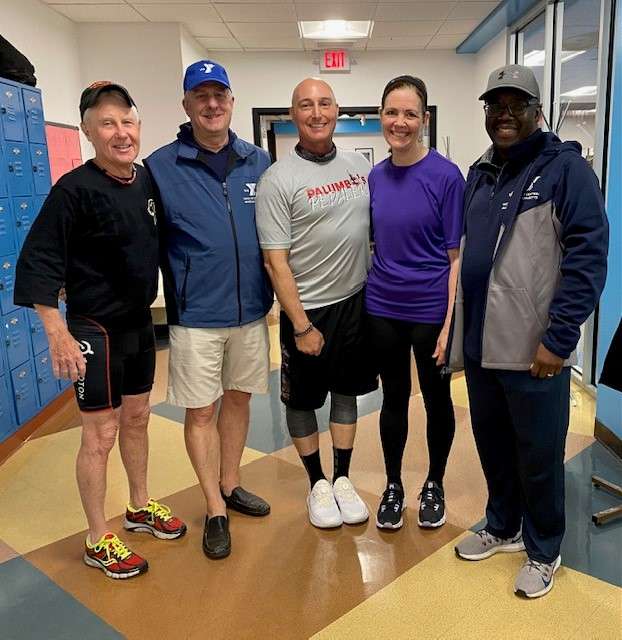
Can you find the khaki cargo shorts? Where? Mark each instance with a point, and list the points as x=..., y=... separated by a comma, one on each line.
x=204, y=362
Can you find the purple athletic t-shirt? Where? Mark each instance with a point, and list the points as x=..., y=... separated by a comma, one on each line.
x=416, y=216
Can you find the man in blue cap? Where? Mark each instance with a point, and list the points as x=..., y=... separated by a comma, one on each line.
x=216, y=290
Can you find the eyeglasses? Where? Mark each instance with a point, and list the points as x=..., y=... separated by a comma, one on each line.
x=515, y=109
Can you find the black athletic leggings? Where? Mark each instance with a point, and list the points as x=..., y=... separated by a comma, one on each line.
x=391, y=342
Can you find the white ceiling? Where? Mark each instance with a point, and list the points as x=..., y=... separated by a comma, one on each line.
x=254, y=25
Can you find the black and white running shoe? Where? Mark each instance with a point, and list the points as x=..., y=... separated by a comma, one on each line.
x=391, y=506
x=432, y=507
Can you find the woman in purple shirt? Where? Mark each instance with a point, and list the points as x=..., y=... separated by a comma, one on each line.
x=416, y=208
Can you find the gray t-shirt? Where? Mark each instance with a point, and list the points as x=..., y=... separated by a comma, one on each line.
x=320, y=212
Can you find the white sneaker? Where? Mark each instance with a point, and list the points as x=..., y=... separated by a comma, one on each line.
x=353, y=509
x=323, y=510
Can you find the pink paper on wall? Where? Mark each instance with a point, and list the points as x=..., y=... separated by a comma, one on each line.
x=63, y=149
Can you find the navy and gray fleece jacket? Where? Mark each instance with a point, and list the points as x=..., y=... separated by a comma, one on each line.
x=533, y=255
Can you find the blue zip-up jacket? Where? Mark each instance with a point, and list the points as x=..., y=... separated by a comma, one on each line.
x=533, y=257
x=211, y=262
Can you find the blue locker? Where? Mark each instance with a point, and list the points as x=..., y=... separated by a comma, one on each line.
x=12, y=113
x=7, y=419
x=24, y=393
x=24, y=214
x=37, y=332
x=7, y=228
x=7, y=283
x=40, y=169
x=19, y=167
x=47, y=385
x=38, y=203
x=33, y=109
x=4, y=189
x=16, y=337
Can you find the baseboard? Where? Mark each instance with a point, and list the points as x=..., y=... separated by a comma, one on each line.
x=17, y=439
x=608, y=438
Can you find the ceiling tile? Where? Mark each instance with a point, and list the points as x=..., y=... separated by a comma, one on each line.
x=200, y=29
x=451, y=27
x=446, y=42
x=415, y=42
x=98, y=12
x=220, y=44
x=413, y=11
x=335, y=11
x=267, y=12
x=408, y=28
x=472, y=10
x=85, y=1
x=188, y=13
x=276, y=30
x=283, y=44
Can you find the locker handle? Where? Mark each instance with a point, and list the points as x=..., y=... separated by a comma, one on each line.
x=18, y=396
x=1, y=286
x=40, y=380
x=11, y=168
x=34, y=168
x=2, y=110
x=18, y=223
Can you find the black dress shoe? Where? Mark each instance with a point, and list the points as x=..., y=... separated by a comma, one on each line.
x=216, y=537
x=246, y=502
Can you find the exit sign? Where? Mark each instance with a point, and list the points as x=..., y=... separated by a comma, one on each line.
x=335, y=60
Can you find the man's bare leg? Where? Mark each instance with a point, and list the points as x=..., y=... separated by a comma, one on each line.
x=134, y=445
x=233, y=430
x=203, y=446
x=99, y=432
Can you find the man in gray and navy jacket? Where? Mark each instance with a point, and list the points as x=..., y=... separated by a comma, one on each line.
x=216, y=289
x=533, y=265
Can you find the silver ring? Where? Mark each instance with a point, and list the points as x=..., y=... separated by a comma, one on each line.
x=549, y=375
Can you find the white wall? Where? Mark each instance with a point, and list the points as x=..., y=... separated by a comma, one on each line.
x=50, y=42
x=491, y=57
x=146, y=59
x=267, y=79
x=191, y=50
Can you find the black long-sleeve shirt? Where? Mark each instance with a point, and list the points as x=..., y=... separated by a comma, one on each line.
x=96, y=237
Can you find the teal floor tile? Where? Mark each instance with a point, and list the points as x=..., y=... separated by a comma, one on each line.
x=32, y=607
x=593, y=550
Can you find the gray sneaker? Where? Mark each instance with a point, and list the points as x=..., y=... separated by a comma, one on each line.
x=536, y=578
x=483, y=544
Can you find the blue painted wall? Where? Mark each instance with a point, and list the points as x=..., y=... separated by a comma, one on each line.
x=352, y=126
x=609, y=403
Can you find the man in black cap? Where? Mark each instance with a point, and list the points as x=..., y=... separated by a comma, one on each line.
x=96, y=236
x=533, y=265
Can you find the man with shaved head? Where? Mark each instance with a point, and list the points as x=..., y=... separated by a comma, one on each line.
x=313, y=223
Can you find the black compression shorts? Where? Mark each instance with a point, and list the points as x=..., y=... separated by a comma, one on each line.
x=343, y=366
x=118, y=363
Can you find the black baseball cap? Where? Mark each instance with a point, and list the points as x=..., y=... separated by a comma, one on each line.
x=92, y=93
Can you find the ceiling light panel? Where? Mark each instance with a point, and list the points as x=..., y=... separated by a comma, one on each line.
x=335, y=29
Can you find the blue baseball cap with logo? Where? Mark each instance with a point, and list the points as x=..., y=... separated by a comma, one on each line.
x=205, y=71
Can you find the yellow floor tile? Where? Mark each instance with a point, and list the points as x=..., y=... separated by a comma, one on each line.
x=459, y=391
x=275, y=346
x=443, y=597
x=39, y=499
x=582, y=411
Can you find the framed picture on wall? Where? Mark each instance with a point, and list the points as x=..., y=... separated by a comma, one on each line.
x=367, y=153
